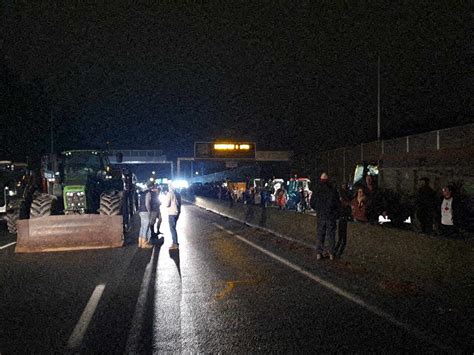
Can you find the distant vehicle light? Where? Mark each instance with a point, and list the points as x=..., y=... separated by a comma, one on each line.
x=141, y=185
x=180, y=184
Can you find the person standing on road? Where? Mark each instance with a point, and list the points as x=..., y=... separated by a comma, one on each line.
x=344, y=216
x=155, y=214
x=359, y=206
x=325, y=201
x=173, y=205
x=449, y=213
x=426, y=206
x=144, y=209
x=281, y=198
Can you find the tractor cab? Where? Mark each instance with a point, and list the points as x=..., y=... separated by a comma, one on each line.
x=365, y=174
x=80, y=165
x=16, y=181
x=272, y=186
x=297, y=189
x=84, y=176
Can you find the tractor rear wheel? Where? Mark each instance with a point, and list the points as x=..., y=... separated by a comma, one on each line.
x=11, y=219
x=41, y=206
x=111, y=203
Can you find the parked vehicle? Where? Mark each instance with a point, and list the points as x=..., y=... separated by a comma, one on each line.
x=299, y=194
x=17, y=183
x=81, y=210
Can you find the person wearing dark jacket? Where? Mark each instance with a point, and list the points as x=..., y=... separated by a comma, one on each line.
x=344, y=216
x=325, y=201
x=426, y=201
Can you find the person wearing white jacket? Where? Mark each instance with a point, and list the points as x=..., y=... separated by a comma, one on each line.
x=173, y=206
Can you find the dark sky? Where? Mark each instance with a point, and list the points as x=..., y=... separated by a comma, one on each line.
x=288, y=75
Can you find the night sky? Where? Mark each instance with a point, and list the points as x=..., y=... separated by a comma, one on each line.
x=288, y=75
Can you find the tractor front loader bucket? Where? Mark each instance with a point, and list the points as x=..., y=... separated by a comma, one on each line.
x=69, y=232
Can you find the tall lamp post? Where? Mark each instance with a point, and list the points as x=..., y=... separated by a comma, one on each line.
x=52, y=133
x=378, y=98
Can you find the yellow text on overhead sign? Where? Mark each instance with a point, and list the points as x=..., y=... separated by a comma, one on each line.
x=227, y=146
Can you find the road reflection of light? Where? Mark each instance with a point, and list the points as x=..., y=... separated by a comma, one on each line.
x=138, y=315
x=173, y=323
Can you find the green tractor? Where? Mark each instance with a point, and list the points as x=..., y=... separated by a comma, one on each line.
x=85, y=183
x=80, y=206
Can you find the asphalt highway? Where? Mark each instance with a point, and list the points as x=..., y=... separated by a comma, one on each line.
x=229, y=288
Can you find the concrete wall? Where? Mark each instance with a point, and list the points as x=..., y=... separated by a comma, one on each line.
x=443, y=155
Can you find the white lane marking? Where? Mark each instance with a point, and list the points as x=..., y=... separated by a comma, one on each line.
x=79, y=331
x=7, y=245
x=388, y=317
x=134, y=335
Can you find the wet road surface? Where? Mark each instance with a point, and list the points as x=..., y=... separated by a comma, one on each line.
x=229, y=288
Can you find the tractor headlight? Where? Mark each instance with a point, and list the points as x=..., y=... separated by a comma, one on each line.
x=69, y=194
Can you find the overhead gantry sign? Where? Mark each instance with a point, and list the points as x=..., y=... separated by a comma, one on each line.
x=224, y=151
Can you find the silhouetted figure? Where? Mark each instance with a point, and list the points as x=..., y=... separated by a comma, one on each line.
x=344, y=216
x=325, y=201
x=426, y=201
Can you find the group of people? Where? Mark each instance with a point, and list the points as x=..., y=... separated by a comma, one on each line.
x=335, y=208
x=150, y=215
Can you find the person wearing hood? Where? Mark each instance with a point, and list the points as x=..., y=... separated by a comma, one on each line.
x=325, y=201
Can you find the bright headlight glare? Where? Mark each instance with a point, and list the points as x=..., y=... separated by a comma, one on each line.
x=180, y=184
x=162, y=198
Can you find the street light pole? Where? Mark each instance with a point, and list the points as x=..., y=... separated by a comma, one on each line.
x=378, y=98
x=52, y=135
